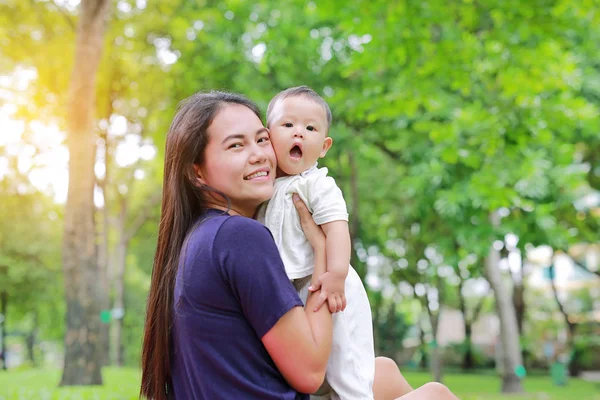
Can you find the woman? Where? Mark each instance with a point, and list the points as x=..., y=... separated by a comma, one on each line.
x=227, y=323
x=223, y=321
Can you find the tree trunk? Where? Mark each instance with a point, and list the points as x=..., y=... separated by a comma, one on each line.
x=124, y=234
x=436, y=357
x=376, y=307
x=519, y=304
x=518, y=298
x=509, y=331
x=118, y=282
x=468, y=362
x=103, y=252
x=119, y=303
x=3, y=307
x=30, y=340
x=355, y=219
x=424, y=361
x=436, y=363
x=83, y=351
x=468, y=359
x=574, y=364
x=574, y=369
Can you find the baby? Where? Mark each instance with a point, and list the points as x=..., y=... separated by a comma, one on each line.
x=299, y=120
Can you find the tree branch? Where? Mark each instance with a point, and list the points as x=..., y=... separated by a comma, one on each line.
x=477, y=310
x=555, y=292
x=66, y=16
x=25, y=256
x=143, y=216
x=433, y=318
x=392, y=154
x=358, y=127
x=461, y=298
x=585, y=267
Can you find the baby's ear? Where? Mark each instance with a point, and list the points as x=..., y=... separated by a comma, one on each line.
x=326, y=146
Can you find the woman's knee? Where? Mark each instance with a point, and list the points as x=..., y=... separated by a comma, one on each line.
x=386, y=364
x=389, y=382
x=436, y=390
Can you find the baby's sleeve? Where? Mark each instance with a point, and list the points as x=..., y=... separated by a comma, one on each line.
x=255, y=273
x=326, y=199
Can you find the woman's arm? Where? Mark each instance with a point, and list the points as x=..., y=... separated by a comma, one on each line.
x=300, y=342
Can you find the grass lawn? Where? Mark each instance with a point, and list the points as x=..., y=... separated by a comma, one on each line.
x=123, y=384
x=480, y=387
x=41, y=384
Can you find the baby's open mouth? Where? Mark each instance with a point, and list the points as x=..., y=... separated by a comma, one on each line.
x=296, y=152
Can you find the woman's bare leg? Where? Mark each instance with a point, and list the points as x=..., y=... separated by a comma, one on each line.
x=430, y=391
x=389, y=383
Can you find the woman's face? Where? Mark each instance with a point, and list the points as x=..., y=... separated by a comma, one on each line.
x=239, y=160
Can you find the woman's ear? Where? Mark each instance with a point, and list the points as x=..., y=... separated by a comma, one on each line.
x=326, y=146
x=198, y=174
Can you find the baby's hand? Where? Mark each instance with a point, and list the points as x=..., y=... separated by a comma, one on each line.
x=332, y=289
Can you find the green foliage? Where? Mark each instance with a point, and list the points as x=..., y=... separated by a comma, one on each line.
x=137, y=285
x=390, y=325
x=586, y=352
x=444, y=113
x=453, y=355
x=30, y=268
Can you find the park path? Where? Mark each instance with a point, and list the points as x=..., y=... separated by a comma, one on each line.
x=591, y=376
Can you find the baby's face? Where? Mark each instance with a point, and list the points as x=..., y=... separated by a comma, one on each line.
x=298, y=127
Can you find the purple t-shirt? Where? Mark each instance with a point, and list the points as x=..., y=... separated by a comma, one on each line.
x=231, y=289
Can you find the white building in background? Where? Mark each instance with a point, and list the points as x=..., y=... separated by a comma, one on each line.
x=570, y=274
x=569, y=277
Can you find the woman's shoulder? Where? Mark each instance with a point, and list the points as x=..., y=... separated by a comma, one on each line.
x=244, y=241
x=245, y=228
x=224, y=229
x=223, y=234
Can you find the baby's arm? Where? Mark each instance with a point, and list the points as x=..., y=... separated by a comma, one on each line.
x=332, y=282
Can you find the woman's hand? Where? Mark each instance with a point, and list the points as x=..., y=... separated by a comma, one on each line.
x=314, y=234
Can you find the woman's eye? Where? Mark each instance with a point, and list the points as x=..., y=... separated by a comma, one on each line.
x=310, y=128
x=263, y=139
x=235, y=146
x=288, y=125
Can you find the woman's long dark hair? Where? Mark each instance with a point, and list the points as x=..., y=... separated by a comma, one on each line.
x=183, y=201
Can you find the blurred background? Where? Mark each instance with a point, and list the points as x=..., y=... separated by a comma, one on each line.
x=466, y=142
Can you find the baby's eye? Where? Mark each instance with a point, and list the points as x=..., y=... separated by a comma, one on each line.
x=310, y=128
x=288, y=125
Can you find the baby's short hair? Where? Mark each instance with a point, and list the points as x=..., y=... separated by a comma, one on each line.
x=299, y=91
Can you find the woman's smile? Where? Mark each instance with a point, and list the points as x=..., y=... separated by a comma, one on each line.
x=260, y=175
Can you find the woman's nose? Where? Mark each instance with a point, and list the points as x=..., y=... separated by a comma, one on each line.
x=258, y=155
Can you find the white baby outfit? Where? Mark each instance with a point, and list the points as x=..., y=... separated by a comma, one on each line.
x=351, y=365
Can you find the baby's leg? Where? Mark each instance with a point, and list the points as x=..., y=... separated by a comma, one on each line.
x=351, y=366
